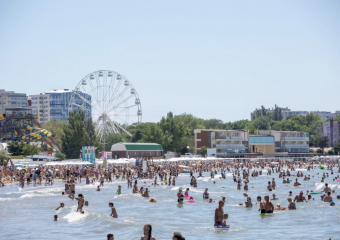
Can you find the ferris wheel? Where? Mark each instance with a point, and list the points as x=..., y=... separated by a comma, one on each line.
x=110, y=99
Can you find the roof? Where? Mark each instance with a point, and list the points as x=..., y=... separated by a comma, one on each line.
x=58, y=91
x=136, y=147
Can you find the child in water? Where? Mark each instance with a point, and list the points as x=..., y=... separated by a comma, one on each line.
x=119, y=190
x=224, y=223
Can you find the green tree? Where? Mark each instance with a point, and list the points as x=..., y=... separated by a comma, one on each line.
x=203, y=151
x=29, y=149
x=3, y=157
x=262, y=123
x=323, y=143
x=174, y=132
x=77, y=133
x=337, y=148
x=16, y=147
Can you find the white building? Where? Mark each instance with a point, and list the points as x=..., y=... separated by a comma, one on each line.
x=10, y=99
x=286, y=113
x=54, y=105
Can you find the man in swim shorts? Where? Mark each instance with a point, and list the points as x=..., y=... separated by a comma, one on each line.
x=262, y=205
x=300, y=197
x=219, y=212
x=268, y=205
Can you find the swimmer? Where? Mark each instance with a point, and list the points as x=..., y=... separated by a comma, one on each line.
x=268, y=205
x=328, y=197
x=291, y=205
x=110, y=236
x=113, y=211
x=300, y=198
x=98, y=189
x=186, y=192
x=210, y=200
x=56, y=218
x=224, y=223
x=274, y=197
x=61, y=206
x=180, y=196
x=278, y=207
x=146, y=193
x=147, y=233
x=219, y=212
x=206, y=194
x=262, y=205
x=248, y=203
x=82, y=212
x=119, y=190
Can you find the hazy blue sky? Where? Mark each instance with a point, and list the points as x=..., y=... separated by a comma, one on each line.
x=213, y=59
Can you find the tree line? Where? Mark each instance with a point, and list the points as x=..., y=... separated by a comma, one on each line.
x=176, y=132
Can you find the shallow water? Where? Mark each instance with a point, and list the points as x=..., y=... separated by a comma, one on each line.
x=28, y=213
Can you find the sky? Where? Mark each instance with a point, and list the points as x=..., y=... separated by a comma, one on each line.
x=213, y=59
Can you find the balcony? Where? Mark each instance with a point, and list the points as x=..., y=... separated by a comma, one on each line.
x=295, y=146
x=231, y=146
x=296, y=138
x=229, y=137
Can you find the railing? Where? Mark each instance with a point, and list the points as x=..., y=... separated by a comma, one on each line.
x=231, y=145
x=295, y=146
x=296, y=138
x=229, y=137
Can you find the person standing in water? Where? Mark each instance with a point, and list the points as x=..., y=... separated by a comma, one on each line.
x=180, y=196
x=219, y=212
x=113, y=211
x=147, y=233
x=206, y=194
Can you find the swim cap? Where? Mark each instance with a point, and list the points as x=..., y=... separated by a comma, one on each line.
x=332, y=203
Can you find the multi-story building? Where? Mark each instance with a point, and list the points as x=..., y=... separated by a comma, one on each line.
x=55, y=104
x=10, y=99
x=238, y=143
x=288, y=141
x=331, y=129
x=226, y=142
x=286, y=113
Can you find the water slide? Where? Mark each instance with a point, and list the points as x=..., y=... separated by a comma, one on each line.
x=40, y=133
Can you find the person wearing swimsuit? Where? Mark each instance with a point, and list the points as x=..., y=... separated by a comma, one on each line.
x=206, y=194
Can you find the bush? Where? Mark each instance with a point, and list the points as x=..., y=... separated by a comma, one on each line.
x=331, y=152
x=3, y=157
x=319, y=151
x=60, y=156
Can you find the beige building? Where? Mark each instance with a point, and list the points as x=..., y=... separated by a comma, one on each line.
x=289, y=141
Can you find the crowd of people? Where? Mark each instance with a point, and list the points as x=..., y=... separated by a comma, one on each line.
x=166, y=173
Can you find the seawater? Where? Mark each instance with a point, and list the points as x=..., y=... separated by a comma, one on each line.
x=28, y=213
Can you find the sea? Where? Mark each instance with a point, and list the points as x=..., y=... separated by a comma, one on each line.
x=28, y=213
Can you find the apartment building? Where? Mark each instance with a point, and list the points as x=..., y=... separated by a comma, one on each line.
x=55, y=104
x=289, y=141
x=286, y=113
x=226, y=142
x=238, y=143
x=10, y=99
x=331, y=129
